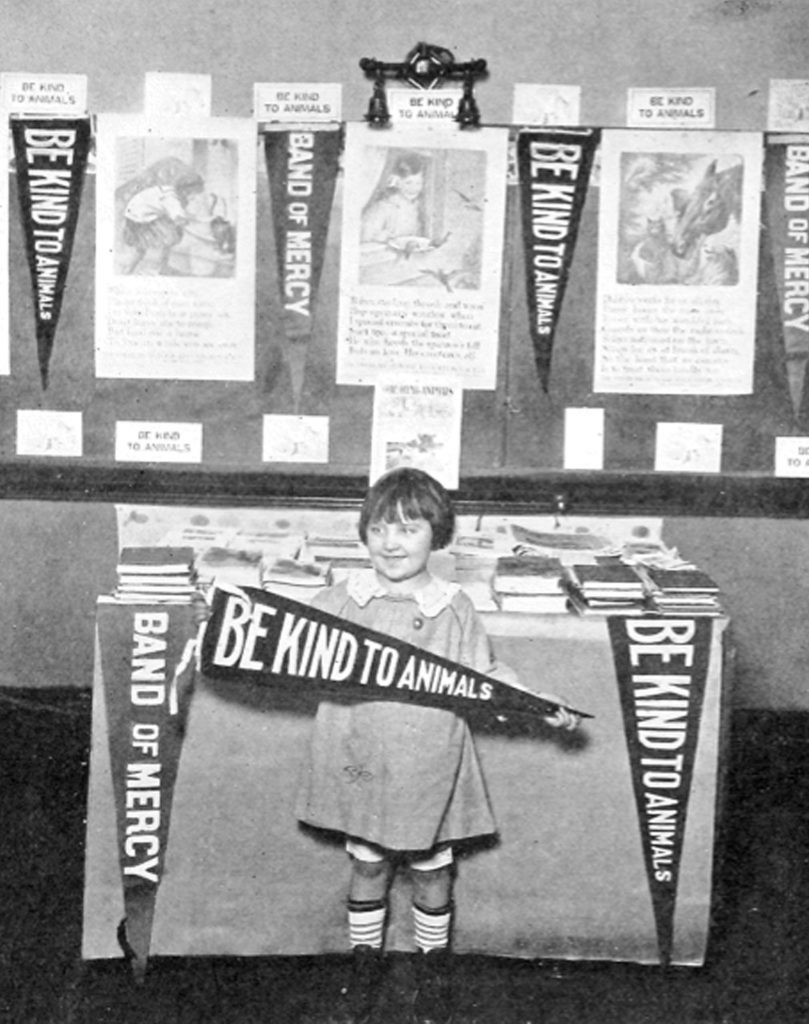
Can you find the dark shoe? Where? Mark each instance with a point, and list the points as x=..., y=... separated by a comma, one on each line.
x=433, y=1003
x=358, y=997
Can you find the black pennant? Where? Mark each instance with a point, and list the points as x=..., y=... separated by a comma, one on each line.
x=554, y=170
x=264, y=637
x=146, y=663
x=302, y=169
x=661, y=683
x=786, y=171
x=50, y=157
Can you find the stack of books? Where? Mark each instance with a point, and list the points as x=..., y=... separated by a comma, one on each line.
x=156, y=575
x=529, y=583
x=290, y=577
x=605, y=588
x=686, y=591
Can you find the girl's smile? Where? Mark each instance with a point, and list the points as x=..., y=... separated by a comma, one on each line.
x=399, y=552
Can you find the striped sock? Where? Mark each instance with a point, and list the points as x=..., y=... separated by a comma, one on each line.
x=366, y=922
x=432, y=927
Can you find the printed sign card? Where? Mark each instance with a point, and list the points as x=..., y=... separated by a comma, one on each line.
x=423, y=106
x=49, y=432
x=671, y=108
x=45, y=95
x=546, y=105
x=689, y=447
x=297, y=102
x=295, y=438
x=144, y=441
x=792, y=456
x=788, y=105
x=584, y=439
x=176, y=95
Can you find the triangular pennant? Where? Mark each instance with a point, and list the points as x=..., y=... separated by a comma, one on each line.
x=786, y=176
x=554, y=172
x=661, y=666
x=147, y=669
x=255, y=635
x=50, y=157
x=302, y=167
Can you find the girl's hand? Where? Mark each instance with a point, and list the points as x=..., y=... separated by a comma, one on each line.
x=202, y=610
x=561, y=719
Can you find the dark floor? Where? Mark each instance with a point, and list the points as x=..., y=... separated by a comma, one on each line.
x=757, y=968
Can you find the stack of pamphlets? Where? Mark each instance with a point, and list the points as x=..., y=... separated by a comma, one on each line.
x=222, y=566
x=156, y=575
x=682, y=591
x=608, y=587
x=529, y=583
x=290, y=577
x=339, y=555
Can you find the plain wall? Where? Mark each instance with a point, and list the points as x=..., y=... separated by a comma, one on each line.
x=605, y=46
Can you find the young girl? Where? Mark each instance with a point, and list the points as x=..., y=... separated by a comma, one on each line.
x=396, y=209
x=401, y=781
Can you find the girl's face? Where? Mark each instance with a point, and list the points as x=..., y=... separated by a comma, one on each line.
x=410, y=185
x=399, y=553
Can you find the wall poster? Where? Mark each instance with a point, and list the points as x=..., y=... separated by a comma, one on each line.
x=421, y=254
x=678, y=259
x=5, y=344
x=175, y=248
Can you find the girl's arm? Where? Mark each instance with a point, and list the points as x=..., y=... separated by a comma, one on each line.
x=481, y=657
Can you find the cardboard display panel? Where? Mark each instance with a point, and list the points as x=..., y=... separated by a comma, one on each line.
x=565, y=877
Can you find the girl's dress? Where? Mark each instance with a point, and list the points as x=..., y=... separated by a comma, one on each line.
x=152, y=218
x=400, y=776
x=392, y=217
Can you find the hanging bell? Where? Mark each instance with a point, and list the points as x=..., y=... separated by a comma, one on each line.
x=378, y=114
x=468, y=115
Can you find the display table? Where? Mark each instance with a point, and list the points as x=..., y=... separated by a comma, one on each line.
x=571, y=874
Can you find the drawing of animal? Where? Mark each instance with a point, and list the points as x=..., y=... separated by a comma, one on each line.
x=445, y=277
x=707, y=209
x=651, y=258
x=714, y=265
x=469, y=202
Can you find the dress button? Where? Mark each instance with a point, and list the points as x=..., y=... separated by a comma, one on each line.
x=418, y=622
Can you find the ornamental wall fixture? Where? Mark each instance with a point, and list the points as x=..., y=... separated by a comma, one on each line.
x=425, y=67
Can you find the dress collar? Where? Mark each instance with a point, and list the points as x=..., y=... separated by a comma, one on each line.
x=431, y=599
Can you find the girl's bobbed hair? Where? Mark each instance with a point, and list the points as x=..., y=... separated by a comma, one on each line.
x=408, y=493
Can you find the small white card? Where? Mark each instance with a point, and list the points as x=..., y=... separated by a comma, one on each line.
x=148, y=441
x=558, y=105
x=170, y=94
x=423, y=106
x=295, y=438
x=671, y=108
x=788, y=105
x=43, y=95
x=584, y=439
x=688, y=447
x=297, y=101
x=792, y=456
x=41, y=432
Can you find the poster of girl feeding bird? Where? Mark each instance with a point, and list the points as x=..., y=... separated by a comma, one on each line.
x=422, y=231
